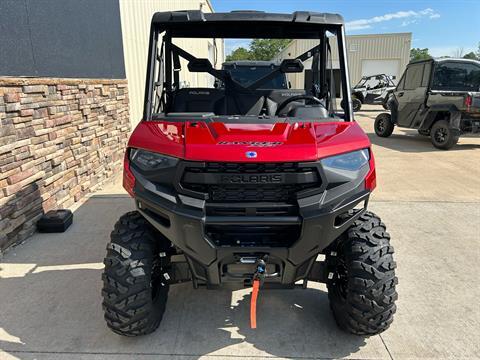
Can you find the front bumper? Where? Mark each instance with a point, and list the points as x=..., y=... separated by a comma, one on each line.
x=321, y=218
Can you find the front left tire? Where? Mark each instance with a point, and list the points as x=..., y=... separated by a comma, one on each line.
x=361, y=288
x=135, y=291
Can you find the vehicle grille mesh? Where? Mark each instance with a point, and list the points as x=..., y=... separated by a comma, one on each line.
x=277, y=192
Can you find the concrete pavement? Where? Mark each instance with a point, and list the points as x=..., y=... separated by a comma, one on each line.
x=429, y=199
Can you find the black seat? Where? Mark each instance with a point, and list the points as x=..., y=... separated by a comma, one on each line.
x=280, y=95
x=277, y=96
x=199, y=100
x=315, y=111
x=240, y=103
x=253, y=102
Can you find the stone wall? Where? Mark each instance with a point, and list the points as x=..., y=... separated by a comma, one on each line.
x=59, y=140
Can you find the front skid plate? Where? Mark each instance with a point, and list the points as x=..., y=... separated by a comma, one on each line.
x=207, y=263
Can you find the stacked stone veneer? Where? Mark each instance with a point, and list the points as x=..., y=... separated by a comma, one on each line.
x=59, y=140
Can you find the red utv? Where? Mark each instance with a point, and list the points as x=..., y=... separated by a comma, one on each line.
x=242, y=185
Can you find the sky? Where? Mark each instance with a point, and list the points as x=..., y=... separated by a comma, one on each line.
x=442, y=26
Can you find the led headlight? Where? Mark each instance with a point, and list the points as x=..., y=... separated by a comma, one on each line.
x=351, y=161
x=148, y=161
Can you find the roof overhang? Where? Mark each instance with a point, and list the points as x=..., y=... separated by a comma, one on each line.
x=246, y=24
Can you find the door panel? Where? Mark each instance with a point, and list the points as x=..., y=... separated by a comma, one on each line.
x=372, y=95
x=411, y=96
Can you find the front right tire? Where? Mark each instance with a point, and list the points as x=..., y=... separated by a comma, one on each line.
x=361, y=288
x=135, y=290
x=383, y=125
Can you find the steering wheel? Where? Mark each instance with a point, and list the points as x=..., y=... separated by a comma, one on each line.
x=298, y=97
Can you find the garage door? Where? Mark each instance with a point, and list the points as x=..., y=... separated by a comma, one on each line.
x=388, y=67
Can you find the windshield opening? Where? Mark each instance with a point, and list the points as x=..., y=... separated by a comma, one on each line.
x=246, y=74
x=273, y=79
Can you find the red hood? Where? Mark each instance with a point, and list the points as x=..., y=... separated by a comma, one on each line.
x=199, y=141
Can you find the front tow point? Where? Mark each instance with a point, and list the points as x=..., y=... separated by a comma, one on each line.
x=258, y=279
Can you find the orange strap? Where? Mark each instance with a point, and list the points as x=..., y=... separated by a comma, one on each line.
x=253, y=304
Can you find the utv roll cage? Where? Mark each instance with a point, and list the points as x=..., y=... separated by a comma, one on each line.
x=241, y=24
x=382, y=76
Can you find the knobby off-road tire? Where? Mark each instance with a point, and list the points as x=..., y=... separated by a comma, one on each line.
x=383, y=125
x=362, y=291
x=356, y=104
x=442, y=136
x=134, y=292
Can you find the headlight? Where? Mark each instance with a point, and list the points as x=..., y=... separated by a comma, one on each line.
x=351, y=161
x=149, y=161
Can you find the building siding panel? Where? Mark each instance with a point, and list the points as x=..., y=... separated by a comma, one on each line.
x=359, y=47
x=136, y=17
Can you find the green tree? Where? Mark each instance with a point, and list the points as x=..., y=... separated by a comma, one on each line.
x=266, y=49
x=259, y=49
x=419, y=54
x=471, y=55
x=239, y=54
x=478, y=51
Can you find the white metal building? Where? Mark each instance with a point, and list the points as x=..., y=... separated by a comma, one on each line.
x=367, y=55
x=135, y=17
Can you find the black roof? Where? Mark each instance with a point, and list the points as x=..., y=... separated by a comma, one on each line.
x=446, y=59
x=246, y=15
x=245, y=24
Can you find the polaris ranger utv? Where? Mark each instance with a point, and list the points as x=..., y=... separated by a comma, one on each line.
x=373, y=89
x=245, y=186
x=438, y=97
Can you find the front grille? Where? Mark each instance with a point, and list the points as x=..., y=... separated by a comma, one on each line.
x=238, y=195
x=252, y=192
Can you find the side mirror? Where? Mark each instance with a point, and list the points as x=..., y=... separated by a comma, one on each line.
x=291, y=66
x=289, y=85
x=200, y=65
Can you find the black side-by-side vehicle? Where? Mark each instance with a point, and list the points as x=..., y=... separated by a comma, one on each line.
x=438, y=97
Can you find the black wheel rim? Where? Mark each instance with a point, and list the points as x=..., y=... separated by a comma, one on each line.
x=441, y=135
x=157, y=281
x=342, y=279
x=381, y=125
